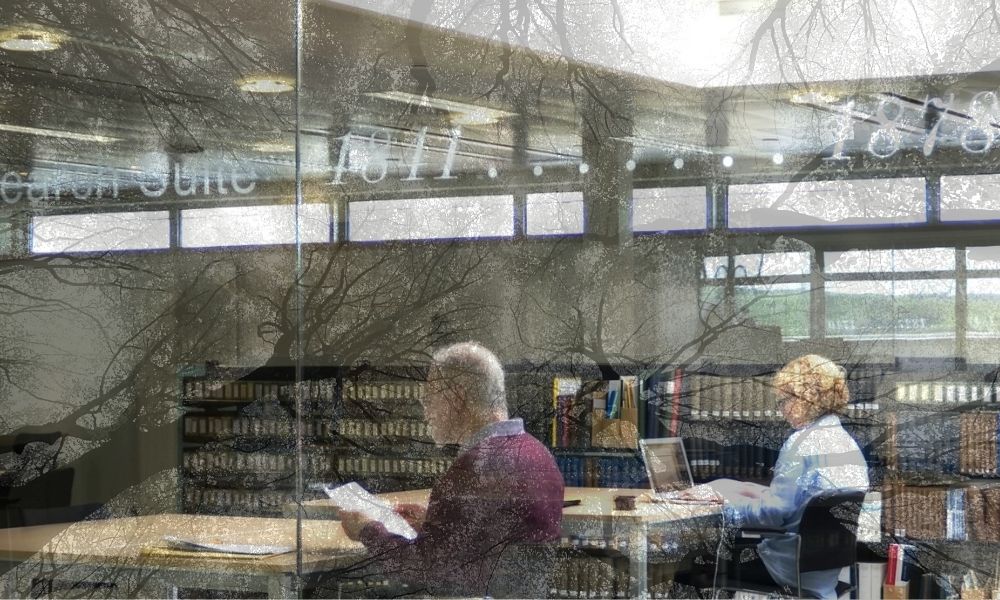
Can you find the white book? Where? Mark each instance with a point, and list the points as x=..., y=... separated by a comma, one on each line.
x=353, y=497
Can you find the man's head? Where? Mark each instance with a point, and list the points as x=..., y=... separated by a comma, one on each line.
x=465, y=392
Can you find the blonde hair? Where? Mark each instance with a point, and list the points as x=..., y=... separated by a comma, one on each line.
x=818, y=382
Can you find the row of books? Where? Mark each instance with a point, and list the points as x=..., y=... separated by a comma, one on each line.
x=942, y=513
x=581, y=410
x=228, y=460
x=602, y=471
x=245, y=391
x=710, y=460
x=392, y=466
x=945, y=442
x=241, y=501
x=391, y=390
x=605, y=577
x=394, y=427
x=978, y=450
x=712, y=396
x=944, y=392
x=225, y=426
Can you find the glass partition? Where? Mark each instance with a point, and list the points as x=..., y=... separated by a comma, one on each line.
x=465, y=257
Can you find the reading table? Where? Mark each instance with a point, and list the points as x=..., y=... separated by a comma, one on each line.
x=669, y=528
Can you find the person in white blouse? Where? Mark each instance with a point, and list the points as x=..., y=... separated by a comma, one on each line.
x=818, y=456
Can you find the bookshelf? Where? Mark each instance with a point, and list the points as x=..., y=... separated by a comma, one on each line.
x=238, y=436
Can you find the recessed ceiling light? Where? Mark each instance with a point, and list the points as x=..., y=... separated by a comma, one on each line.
x=727, y=161
x=813, y=97
x=778, y=158
x=463, y=113
x=274, y=147
x=66, y=135
x=266, y=84
x=678, y=163
x=30, y=40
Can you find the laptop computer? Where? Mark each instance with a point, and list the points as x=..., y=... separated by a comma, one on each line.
x=670, y=472
x=666, y=464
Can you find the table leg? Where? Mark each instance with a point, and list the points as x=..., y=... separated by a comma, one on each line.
x=638, y=556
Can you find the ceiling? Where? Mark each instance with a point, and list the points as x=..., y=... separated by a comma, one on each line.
x=157, y=82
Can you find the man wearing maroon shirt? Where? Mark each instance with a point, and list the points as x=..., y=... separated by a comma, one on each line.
x=502, y=495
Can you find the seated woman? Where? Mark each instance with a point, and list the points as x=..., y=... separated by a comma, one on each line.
x=818, y=456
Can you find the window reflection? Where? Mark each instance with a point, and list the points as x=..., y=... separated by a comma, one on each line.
x=53, y=234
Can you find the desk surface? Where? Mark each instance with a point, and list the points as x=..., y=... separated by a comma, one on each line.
x=596, y=504
x=122, y=541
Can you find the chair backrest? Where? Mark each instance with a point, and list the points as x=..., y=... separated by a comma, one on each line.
x=829, y=529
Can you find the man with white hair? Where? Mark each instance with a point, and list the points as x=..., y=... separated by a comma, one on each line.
x=503, y=490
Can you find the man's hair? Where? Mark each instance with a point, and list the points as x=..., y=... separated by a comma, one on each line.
x=475, y=373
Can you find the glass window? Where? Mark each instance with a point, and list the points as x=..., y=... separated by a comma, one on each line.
x=669, y=209
x=555, y=213
x=100, y=232
x=254, y=225
x=853, y=203
x=768, y=264
x=762, y=291
x=970, y=198
x=873, y=294
x=431, y=218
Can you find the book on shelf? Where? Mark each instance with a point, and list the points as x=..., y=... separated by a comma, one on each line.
x=725, y=397
x=601, y=414
x=966, y=512
x=943, y=392
x=602, y=471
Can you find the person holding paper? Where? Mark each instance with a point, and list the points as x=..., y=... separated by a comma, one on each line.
x=504, y=488
x=819, y=455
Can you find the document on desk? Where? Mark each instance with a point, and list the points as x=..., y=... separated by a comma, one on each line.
x=176, y=543
x=353, y=497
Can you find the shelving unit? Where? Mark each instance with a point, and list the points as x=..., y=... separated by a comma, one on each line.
x=238, y=450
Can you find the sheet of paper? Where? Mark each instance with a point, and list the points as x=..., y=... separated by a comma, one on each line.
x=353, y=497
x=177, y=543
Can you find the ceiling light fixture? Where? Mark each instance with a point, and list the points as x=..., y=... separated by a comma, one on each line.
x=813, y=97
x=464, y=113
x=55, y=133
x=30, y=40
x=274, y=147
x=266, y=84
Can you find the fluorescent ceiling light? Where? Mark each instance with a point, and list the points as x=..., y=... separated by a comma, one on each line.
x=467, y=114
x=813, y=97
x=66, y=135
x=30, y=40
x=274, y=147
x=266, y=84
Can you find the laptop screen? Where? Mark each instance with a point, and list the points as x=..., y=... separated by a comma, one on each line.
x=666, y=464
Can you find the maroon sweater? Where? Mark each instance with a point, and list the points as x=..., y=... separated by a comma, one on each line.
x=504, y=490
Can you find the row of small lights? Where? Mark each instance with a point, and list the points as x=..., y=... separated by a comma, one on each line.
x=630, y=165
x=35, y=40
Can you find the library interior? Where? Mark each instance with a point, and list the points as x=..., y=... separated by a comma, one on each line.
x=499, y=298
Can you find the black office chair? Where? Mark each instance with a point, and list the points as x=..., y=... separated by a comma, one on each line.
x=827, y=539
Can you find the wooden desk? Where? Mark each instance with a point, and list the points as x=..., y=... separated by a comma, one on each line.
x=596, y=518
x=111, y=551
